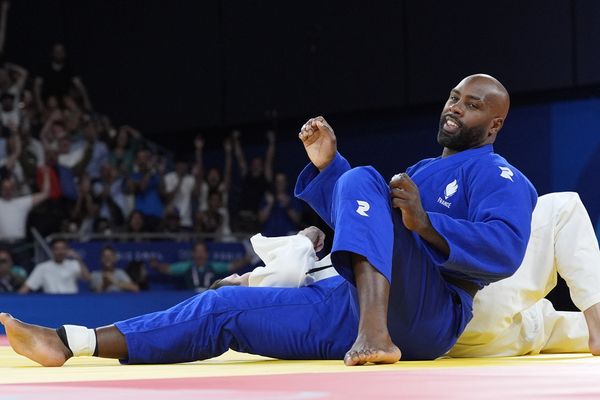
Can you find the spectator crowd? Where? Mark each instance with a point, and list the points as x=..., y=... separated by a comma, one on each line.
x=66, y=168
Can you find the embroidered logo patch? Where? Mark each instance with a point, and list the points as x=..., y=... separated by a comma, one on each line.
x=451, y=189
x=506, y=173
x=363, y=207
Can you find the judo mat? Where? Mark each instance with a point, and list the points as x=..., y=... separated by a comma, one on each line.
x=242, y=376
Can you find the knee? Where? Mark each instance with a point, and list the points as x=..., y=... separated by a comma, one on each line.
x=360, y=178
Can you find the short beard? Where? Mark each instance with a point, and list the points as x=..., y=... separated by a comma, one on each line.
x=464, y=139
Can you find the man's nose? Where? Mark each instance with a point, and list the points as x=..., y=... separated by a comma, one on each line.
x=456, y=108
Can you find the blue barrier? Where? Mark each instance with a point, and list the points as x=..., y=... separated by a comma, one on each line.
x=86, y=309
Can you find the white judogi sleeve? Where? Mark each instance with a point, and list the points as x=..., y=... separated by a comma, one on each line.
x=287, y=260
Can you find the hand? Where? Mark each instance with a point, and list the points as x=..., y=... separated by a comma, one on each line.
x=319, y=142
x=405, y=196
x=316, y=236
x=73, y=254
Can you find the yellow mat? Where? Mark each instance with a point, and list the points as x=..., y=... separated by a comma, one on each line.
x=17, y=369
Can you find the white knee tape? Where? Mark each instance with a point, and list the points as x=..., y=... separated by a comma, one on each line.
x=82, y=341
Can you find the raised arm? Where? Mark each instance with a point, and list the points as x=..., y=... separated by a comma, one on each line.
x=228, y=148
x=239, y=153
x=43, y=194
x=4, y=6
x=22, y=75
x=270, y=156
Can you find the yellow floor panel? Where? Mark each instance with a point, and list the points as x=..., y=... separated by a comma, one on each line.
x=17, y=369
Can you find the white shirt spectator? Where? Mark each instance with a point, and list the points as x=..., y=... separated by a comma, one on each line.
x=97, y=278
x=55, y=278
x=13, y=217
x=183, y=198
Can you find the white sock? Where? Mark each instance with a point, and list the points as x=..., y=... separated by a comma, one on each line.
x=80, y=340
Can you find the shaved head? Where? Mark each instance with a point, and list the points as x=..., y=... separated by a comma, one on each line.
x=473, y=114
x=492, y=91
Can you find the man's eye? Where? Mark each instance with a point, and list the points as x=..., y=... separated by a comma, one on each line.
x=473, y=106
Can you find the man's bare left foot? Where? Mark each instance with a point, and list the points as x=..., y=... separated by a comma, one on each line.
x=37, y=343
x=368, y=350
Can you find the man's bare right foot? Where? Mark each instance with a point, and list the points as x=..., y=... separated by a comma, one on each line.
x=37, y=343
x=378, y=351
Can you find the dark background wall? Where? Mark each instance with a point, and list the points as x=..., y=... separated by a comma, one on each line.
x=178, y=66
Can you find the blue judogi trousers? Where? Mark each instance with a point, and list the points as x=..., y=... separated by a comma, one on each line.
x=319, y=321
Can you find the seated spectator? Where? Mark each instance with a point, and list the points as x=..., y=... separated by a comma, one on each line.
x=172, y=223
x=60, y=274
x=255, y=182
x=280, y=212
x=12, y=276
x=111, y=278
x=197, y=273
x=179, y=185
x=136, y=222
x=13, y=217
x=138, y=274
x=148, y=187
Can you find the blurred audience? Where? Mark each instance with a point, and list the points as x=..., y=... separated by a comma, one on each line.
x=65, y=168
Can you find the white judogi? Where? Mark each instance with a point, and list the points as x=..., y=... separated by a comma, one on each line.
x=287, y=260
x=511, y=317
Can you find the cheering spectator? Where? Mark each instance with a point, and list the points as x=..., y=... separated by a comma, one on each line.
x=111, y=278
x=148, y=188
x=179, y=185
x=98, y=149
x=123, y=149
x=60, y=274
x=255, y=182
x=210, y=181
x=10, y=167
x=281, y=212
x=108, y=194
x=215, y=219
x=12, y=276
x=85, y=210
x=13, y=217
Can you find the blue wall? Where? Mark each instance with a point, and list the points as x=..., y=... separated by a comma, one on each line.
x=86, y=309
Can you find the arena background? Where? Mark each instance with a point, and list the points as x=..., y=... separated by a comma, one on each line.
x=378, y=71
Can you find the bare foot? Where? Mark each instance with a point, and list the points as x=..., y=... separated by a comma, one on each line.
x=592, y=318
x=37, y=343
x=368, y=350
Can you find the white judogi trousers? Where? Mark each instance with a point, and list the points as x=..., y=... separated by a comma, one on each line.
x=511, y=317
